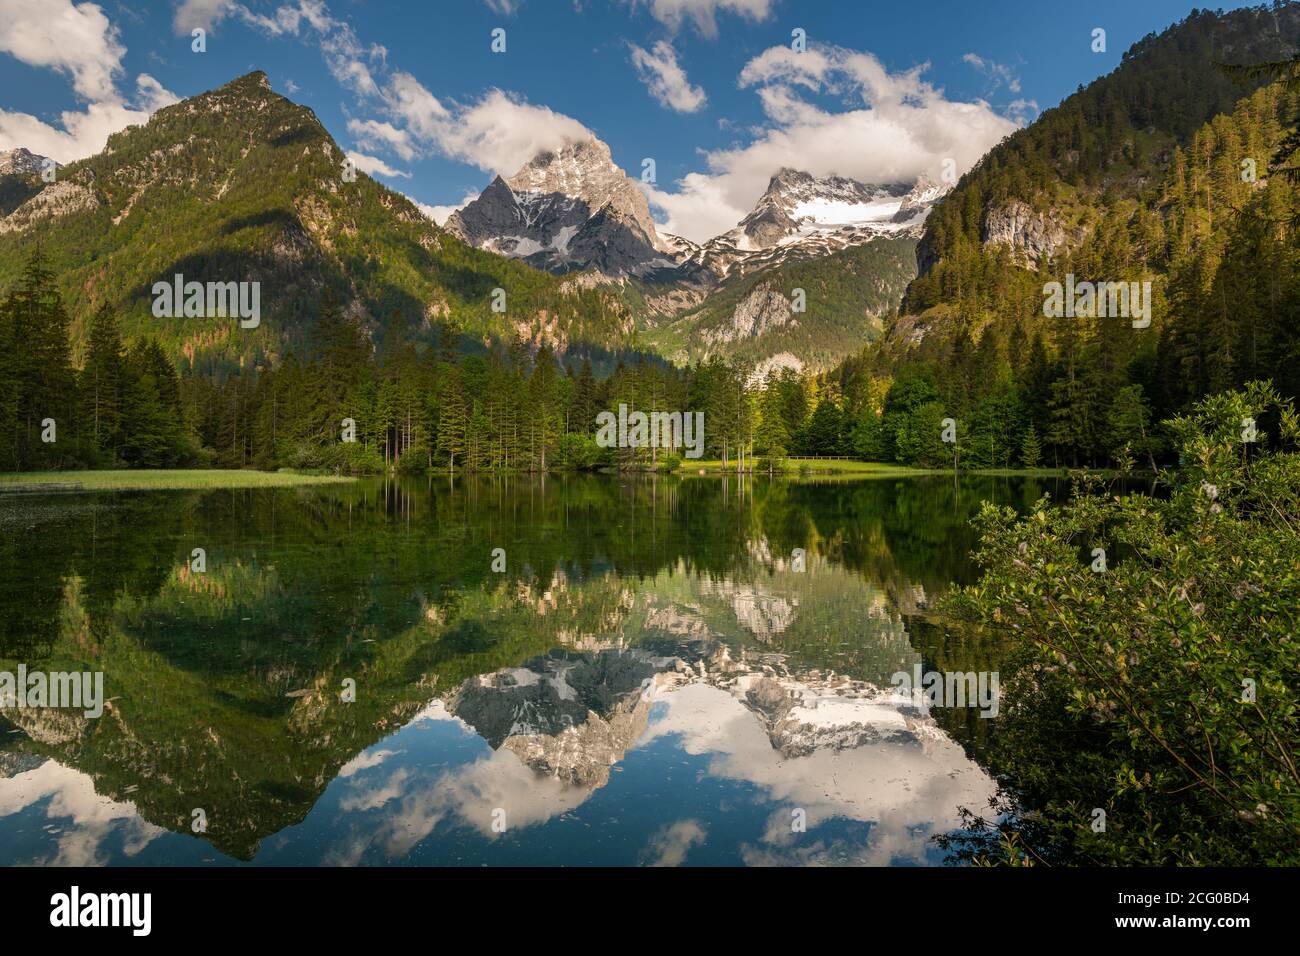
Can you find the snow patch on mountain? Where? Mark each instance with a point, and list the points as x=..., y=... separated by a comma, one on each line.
x=801, y=216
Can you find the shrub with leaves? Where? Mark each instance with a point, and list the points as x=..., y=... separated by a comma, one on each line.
x=1158, y=686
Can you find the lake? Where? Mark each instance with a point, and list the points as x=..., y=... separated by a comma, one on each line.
x=510, y=670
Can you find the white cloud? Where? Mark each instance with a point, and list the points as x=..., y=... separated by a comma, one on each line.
x=83, y=827
x=498, y=133
x=151, y=95
x=439, y=214
x=670, y=844
x=287, y=18
x=351, y=72
x=1019, y=110
x=907, y=790
x=701, y=208
x=82, y=133
x=79, y=41
x=365, y=760
x=349, y=60
x=376, y=134
x=703, y=13
x=373, y=164
x=201, y=14
x=74, y=39
x=422, y=112
x=665, y=79
x=904, y=128
x=1022, y=112
x=501, y=132
x=507, y=8
x=997, y=72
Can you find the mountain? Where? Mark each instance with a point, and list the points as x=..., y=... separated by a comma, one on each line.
x=565, y=210
x=1174, y=175
x=574, y=210
x=798, y=204
x=240, y=184
x=20, y=171
x=574, y=715
x=20, y=162
x=1048, y=188
x=751, y=316
x=849, y=246
x=803, y=216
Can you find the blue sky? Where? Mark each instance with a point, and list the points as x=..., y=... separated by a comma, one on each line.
x=711, y=90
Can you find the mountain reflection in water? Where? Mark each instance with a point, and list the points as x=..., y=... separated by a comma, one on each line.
x=651, y=681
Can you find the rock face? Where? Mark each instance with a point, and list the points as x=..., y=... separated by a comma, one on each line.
x=775, y=364
x=586, y=171
x=491, y=219
x=614, y=242
x=59, y=199
x=1032, y=235
x=761, y=311
x=569, y=209
x=571, y=719
x=804, y=716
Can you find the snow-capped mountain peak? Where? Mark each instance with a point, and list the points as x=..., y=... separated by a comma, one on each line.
x=802, y=216
x=797, y=205
x=565, y=209
x=572, y=208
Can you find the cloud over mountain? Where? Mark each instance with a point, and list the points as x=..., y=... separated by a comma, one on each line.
x=77, y=40
x=497, y=132
x=903, y=129
x=665, y=79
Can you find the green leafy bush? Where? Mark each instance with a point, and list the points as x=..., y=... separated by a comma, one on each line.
x=1162, y=689
x=670, y=462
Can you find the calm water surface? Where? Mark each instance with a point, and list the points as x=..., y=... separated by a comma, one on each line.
x=651, y=680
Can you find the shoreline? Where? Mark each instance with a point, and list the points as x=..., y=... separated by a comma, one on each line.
x=201, y=479
x=159, y=479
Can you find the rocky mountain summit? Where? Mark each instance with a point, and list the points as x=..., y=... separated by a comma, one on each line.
x=801, y=216
x=565, y=210
x=20, y=179
x=574, y=209
x=20, y=162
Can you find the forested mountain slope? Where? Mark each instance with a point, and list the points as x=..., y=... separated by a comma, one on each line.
x=1166, y=171
x=240, y=184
